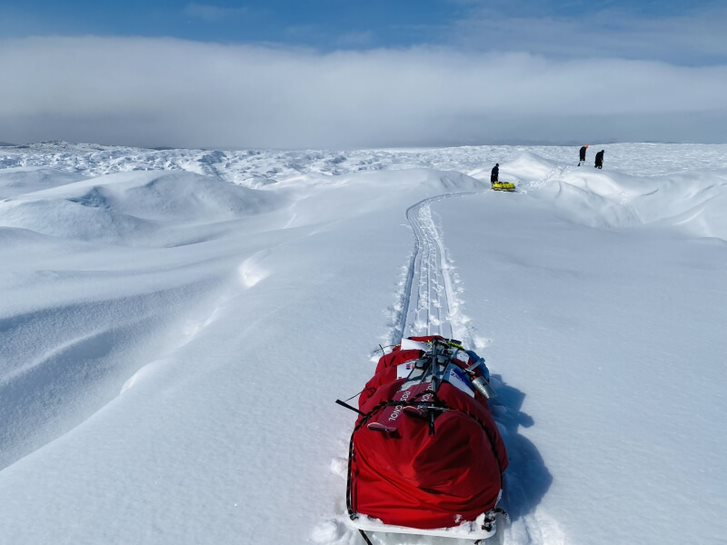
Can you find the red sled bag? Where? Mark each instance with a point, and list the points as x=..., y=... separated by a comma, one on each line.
x=426, y=456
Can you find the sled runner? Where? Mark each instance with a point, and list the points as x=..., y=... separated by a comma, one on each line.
x=486, y=527
x=425, y=455
x=503, y=186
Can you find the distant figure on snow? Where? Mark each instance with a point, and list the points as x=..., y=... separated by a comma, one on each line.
x=582, y=154
x=495, y=174
x=599, y=159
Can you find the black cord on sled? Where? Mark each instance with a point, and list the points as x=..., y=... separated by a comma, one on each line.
x=350, y=407
x=365, y=537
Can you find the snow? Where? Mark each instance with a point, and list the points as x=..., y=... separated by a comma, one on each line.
x=175, y=326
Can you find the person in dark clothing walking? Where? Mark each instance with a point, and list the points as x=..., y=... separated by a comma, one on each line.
x=582, y=154
x=495, y=174
x=599, y=159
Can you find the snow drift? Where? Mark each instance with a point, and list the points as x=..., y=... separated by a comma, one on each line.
x=125, y=206
x=166, y=313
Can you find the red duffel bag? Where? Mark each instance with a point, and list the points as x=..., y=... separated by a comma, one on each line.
x=425, y=452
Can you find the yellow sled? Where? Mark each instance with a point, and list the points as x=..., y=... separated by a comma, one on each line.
x=503, y=186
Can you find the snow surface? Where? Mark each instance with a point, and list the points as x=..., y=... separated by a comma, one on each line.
x=176, y=324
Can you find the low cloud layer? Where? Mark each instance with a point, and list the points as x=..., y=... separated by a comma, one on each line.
x=164, y=92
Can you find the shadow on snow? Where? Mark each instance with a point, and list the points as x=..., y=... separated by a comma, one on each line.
x=526, y=479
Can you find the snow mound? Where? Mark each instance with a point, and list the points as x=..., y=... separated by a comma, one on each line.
x=16, y=181
x=692, y=203
x=125, y=207
x=14, y=235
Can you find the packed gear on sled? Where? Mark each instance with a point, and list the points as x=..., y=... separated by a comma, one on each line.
x=425, y=455
x=497, y=185
x=503, y=186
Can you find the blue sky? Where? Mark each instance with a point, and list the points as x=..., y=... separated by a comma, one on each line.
x=553, y=28
x=318, y=23
x=364, y=73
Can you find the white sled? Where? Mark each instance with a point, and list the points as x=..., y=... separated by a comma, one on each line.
x=488, y=526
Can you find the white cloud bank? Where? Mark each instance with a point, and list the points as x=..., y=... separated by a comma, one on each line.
x=165, y=92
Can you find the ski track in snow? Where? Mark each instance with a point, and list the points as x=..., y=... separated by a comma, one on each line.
x=429, y=301
x=430, y=304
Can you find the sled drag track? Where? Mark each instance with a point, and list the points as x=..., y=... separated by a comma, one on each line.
x=429, y=306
